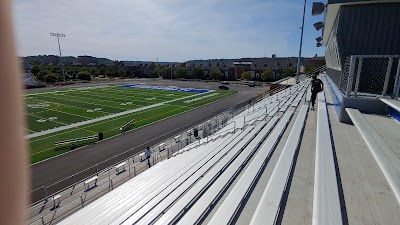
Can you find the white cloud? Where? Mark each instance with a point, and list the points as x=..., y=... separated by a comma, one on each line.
x=167, y=29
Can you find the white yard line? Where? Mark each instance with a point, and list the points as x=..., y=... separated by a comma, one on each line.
x=89, y=103
x=38, y=134
x=64, y=105
x=72, y=130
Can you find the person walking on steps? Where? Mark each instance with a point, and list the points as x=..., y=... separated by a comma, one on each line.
x=316, y=87
x=148, y=155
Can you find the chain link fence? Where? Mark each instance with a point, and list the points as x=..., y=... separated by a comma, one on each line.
x=371, y=76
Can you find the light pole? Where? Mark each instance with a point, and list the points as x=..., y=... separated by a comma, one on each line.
x=58, y=35
x=301, y=43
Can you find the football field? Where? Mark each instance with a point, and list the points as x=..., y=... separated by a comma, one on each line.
x=76, y=113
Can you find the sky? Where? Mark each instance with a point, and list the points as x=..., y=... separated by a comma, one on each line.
x=167, y=30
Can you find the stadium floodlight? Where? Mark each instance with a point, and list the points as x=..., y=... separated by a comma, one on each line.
x=318, y=39
x=58, y=35
x=317, y=8
x=318, y=25
x=319, y=44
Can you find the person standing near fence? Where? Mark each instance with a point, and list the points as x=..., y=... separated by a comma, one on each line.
x=316, y=87
x=148, y=155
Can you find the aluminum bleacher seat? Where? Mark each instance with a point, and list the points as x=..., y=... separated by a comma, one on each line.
x=30, y=80
x=235, y=156
x=205, y=203
x=158, y=204
x=326, y=203
x=387, y=160
x=145, y=183
x=269, y=205
x=395, y=104
x=229, y=209
x=204, y=164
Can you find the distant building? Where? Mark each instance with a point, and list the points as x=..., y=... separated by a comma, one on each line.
x=316, y=61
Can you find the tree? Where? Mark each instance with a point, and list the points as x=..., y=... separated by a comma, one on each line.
x=198, y=73
x=181, y=72
x=35, y=69
x=266, y=75
x=246, y=75
x=121, y=72
x=42, y=74
x=287, y=72
x=102, y=70
x=215, y=74
x=55, y=69
x=84, y=75
x=110, y=71
x=83, y=68
x=94, y=71
x=155, y=72
x=165, y=73
x=52, y=77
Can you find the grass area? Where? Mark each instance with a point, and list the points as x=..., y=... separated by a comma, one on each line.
x=54, y=109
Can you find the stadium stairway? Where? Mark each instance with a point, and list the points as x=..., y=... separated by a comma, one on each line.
x=276, y=162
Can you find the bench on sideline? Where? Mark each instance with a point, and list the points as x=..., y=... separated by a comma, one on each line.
x=383, y=154
x=326, y=203
x=72, y=141
x=89, y=181
x=269, y=205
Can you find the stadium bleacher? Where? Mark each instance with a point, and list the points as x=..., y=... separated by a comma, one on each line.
x=191, y=177
x=30, y=80
x=246, y=173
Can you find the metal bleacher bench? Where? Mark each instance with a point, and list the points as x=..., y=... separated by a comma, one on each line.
x=237, y=154
x=90, y=180
x=326, y=203
x=201, y=208
x=387, y=160
x=172, y=192
x=119, y=167
x=161, y=147
x=126, y=126
x=228, y=209
x=72, y=141
x=56, y=201
x=395, y=104
x=269, y=205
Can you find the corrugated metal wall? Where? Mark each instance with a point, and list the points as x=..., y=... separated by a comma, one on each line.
x=371, y=29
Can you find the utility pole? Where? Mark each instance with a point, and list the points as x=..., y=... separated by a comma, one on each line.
x=301, y=43
x=58, y=35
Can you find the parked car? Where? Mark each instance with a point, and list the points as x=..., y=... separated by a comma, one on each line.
x=252, y=83
x=222, y=87
x=225, y=82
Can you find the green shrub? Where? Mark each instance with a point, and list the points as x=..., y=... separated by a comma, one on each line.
x=52, y=77
x=84, y=75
